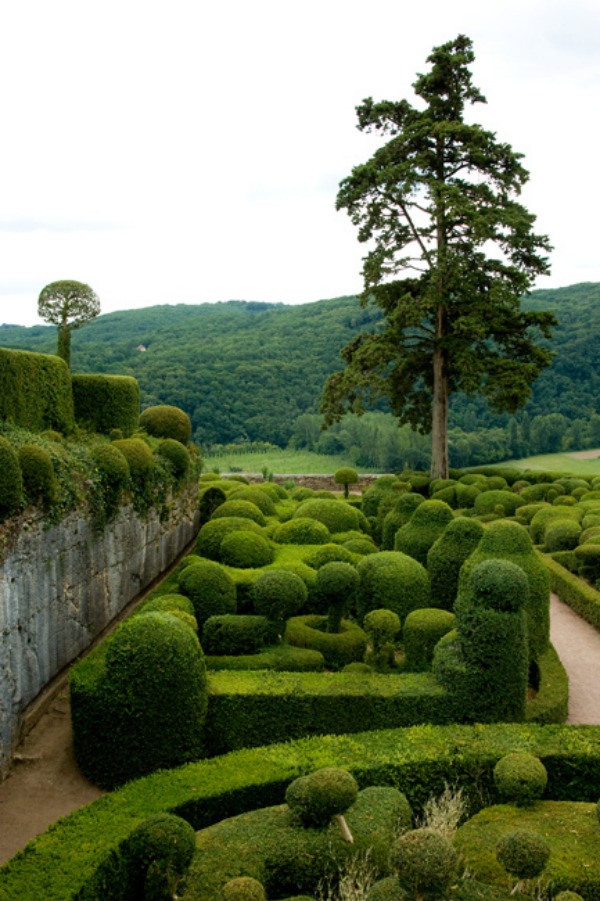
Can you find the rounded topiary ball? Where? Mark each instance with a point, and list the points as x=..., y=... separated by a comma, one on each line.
x=381, y=626
x=345, y=476
x=244, y=888
x=245, y=550
x=164, y=421
x=568, y=896
x=279, y=594
x=138, y=455
x=424, y=861
x=161, y=849
x=38, y=473
x=210, y=588
x=177, y=455
x=112, y=465
x=11, y=481
x=520, y=778
x=387, y=889
x=523, y=853
x=316, y=798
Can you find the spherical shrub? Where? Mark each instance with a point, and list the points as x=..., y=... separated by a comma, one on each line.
x=177, y=455
x=422, y=631
x=381, y=626
x=386, y=889
x=546, y=515
x=210, y=588
x=568, y=896
x=243, y=888
x=167, y=603
x=237, y=634
x=211, y=535
x=520, y=778
x=245, y=550
x=245, y=509
x=38, y=473
x=362, y=546
x=138, y=455
x=336, y=515
x=488, y=501
x=327, y=553
x=562, y=535
x=424, y=862
x=278, y=594
x=301, y=530
x=392, y=580
x=11, y=481
x=258, y=497
x=345, y=476
x=337, y=583
x=164, y=421
x=316, y=798
x=425, y=526
x=160, y=850
x=523, y=853
x=112, y=465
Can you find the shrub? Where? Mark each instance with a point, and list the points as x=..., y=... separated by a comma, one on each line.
x=588, y=560
x=489, y=501
x=392, y=580
x=336, y=584
x=302, y=530
x=425, y=525
x=165, y=421
x=210, y=589
x=362, y=546
x=316, y=798
x=381, y=626
x=105, y=403
x=523, y=853
x=562, y=535
x=446, y=557
x=159, y=851
x=38, y=474
x=245, y=550
x=336, y=515
x=257, y=496
x=243, y=888
x=338, y=649
x=11, y=480
x=168, y=603
x=211, y=535
x=278, y=594
x=543, y=518
x=35, y=391
x=424, y=862
x=386, y=889
x=113, y=467
x=397, y=517
x=138, y=456
x=177, y=456
x=422, y=631
x=229, y=634
x=327, y=553
x=520, y=778
x=345, y=476
x=240, y=508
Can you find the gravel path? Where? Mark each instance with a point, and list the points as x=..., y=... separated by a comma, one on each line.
x=45, y=783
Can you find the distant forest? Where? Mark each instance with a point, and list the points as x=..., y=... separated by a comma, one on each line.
x=250, y=372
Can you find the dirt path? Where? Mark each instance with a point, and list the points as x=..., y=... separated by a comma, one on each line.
x=45, y=783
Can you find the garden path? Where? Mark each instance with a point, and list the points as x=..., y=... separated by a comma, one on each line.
x=45, y=783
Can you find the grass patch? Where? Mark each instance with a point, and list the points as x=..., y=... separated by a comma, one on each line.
x=281, y=462
x=559, y=463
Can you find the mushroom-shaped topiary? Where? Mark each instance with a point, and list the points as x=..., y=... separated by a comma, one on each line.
x=381, y=626
x=345, y=476
x=337, y=583
x=244, y=888
x=161, y=849
x=425, y=862
x=321, y=796
x=278, y=594
x=523, y=853
x=164, y=421
x=520, y=778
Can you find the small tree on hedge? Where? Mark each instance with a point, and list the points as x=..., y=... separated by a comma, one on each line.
x=345, y=476
x=69, y=305
x=321, y=796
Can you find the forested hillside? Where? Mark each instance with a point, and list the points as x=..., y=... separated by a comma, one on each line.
x=248, y=371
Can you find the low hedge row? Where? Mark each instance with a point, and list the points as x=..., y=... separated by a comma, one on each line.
x=580, y=596
x=85, y=855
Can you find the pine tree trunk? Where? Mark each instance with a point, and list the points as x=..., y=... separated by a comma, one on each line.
x=439, y=412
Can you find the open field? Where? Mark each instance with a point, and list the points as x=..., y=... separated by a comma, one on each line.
x=281, y=462
x=579, y=462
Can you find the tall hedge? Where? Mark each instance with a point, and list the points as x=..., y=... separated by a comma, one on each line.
x=35, y=391
x=106, y=402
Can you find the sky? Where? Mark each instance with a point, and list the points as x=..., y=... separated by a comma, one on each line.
x=191, y=151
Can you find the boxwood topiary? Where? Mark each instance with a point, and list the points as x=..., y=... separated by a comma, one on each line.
x=392, y=580
x=159, y=851
x=520, y=778
x=177, y=456
x=422, y=631
x=543, y=518
x=302, y=530
x=211, y=535
x=424, y=527
x=237, y=634
x=164, y=421
x=256, y=495
x=316, y=798
x=523, y=853
x=327, y=553
x=38, y=474
x=167, y=603
x=362, y=546
x=210, y=588
x=107, y=402
x=11, y=481
x=336, y=585
x=345, y=476
x=245, y=509
x=446, y=557
x=245, y=550
x=113, y=466
x=243, y=888
x=425, y=863
x=338, y=649
x=562, y=535
x=489, y=501
x=138, y=456
x=278, y=594
x=398, y=516
x=336, y=515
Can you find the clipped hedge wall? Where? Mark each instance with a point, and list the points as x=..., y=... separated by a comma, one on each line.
x=580, y=596
x=35, y=391
x=338, y=648
x=105, y=402
x=85, y=855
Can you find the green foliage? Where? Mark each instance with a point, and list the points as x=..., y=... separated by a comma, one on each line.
x=212, y=533
x=35, y=391
x=167, y=603
x=278, y=594
x=392, y=580
x=335, y=515
x=302, y=530
x=245, y=550
x=38, y=474
x=257, y=495
x=177, y=455
x=279, y=657
x=106, y=402
x=424, y=862
x=159, y=851
x=243, y=888
x=546, y=515
x=581, y=597
x=490, y=501
x=68, y=305
x=316, y=798
x=446, y=557
x=11, y=480
x=210, y=589
x=397, y=517
x=338, y=648
x=142, y=704
x=337, y=583
x=520, y=778
x=235, y=634
x=138, y=456
x=345, y=476
x=166, y=421
x=328, y=553
x=382, y=626
x=562, y=535
x=422, y=631
x=240, y=508
x=523, y=853
x=423, y=529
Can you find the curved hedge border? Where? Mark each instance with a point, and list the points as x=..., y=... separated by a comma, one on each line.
x=579, y=596
x=84, y=856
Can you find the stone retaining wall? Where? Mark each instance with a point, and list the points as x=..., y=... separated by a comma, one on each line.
x=60, y=586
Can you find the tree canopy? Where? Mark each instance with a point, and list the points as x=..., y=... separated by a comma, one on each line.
x=438, y=204
x=67, y=304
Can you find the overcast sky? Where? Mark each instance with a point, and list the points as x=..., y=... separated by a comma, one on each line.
x=191, y=151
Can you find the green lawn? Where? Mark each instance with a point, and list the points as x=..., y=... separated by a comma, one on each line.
x=560, y=463
x=280, y=462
